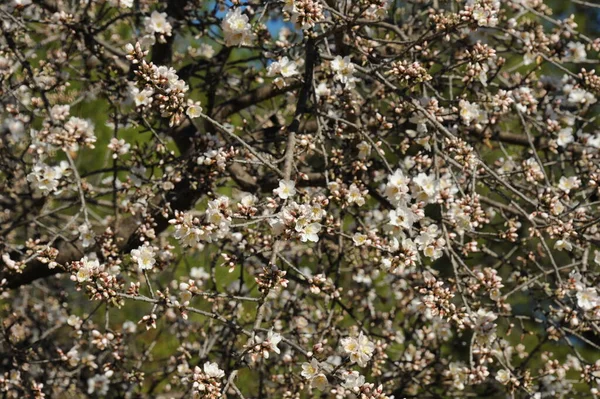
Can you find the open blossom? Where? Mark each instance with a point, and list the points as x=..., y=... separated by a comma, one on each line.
x=319, y=381
x=402, y=217
x=587, y=298
x=353, y=379
x=364, y=149
x=322, y=90
x=577, y=51
x=565, y=136
x=119, y=147
x=45, y=178
x=86, y=235
x=287, y=189
x=194, y=109
x=236, y=28
x=144, y=257
x=355, y=195
x=344, y=70
x=157, y=23
x=427, y=186
x=397, y=190
x=284, y=67
x=563, y=244
x=16, y=128
x=360, y=349
x=581, y=96
x=98, y=384
x=269, y=344
x=485, y=12
x=212, y=370
x=309, y=370
x=88, y=268
x=483, y=323
x=361, y=239
x=503, y=376
x=312, y=372
x=273, y=339
x=471, y=112
x=567, y=184
x=143, y=97
x=310, y=232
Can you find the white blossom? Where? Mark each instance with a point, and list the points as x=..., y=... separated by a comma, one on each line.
x=344, y=70
x=287, y=189
x=144, y=256
x=284, y=67
x=310, y=232
x=587, y=298
x=143, y=97
x=577, y=51
x=360, y=349
x=157, y=23
x=194, y=109
x=503, y=376
x=565, y=136
x=86, y=235
x=212, y=370
x=236, y=28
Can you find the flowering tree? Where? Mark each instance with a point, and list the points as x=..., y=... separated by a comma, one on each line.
x=297, y=199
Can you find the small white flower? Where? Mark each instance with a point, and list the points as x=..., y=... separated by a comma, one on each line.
x=310, y=232
x=577, y=51
x=587, y=298
x=364, y=149
x=344, y=70
x=565, y=136
x=273, y=339
x=157, y=23
x=567, y=184
x=120, y=147
x=284, y=67
x=248, y=200
x=144, y=256
x=88, y=268
x=206, y=50
x=483, y=324
x=503, y=376
x=129, y=327
x=427, y=186
x=212, y=370
x=485, y=13
x=353, y=380
x=402, y=217
x=319, y=381
x=322, y=90
x=142, y=98
x=360, y=349
x=194, y=110
x=309, y=370
x=86, y=235
x=287, y=189
x=355, y=196
x=236, y=28
x=198, y=273
x=360, y=239
x=581, y=96
x=98, y=384
x=561, y=245
x=471, y=112
x=45, y=178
